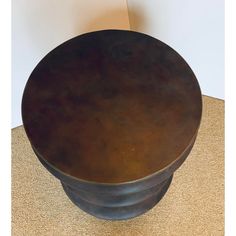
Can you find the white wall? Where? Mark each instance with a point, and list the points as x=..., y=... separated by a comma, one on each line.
x=40, y=26
x=194, y=28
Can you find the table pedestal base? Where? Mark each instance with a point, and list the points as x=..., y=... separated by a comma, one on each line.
x=117, y=207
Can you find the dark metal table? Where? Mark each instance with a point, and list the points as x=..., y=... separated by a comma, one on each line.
x=112, y=114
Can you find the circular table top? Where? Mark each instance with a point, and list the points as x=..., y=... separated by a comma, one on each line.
x=111, y=106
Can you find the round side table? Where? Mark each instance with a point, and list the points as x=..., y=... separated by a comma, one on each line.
x=112, y=114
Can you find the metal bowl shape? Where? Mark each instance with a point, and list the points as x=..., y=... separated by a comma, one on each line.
x=112, y=114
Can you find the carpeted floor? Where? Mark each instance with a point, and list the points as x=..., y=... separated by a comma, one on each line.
x=193, y=205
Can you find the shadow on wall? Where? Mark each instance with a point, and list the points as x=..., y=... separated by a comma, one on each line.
x=137, y=20
x=115, y=19
x=42, y=34
x=52, y=31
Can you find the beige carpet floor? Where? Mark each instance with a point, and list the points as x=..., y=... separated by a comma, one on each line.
x=193, y=205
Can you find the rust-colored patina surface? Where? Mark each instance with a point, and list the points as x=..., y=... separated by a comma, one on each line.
x=112, y=107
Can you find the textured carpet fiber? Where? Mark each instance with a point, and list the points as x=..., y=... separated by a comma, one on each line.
x=193, y=205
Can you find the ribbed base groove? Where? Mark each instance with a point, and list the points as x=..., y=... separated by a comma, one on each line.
x=117, y=207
